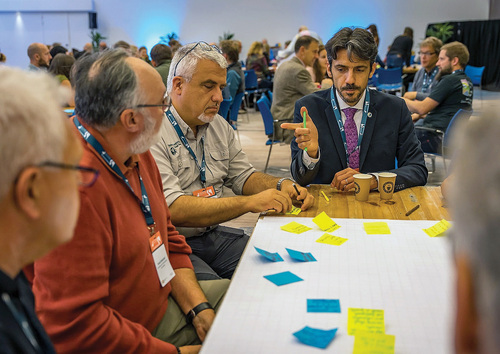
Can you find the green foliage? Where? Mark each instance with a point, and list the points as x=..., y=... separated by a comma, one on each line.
x=168, y=37
x=443, y=31
x=96, y=38
x=226, y=36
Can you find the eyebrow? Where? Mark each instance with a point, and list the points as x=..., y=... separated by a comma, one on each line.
x=356, y=67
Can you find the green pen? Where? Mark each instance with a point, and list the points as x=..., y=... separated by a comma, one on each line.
x=304, y=115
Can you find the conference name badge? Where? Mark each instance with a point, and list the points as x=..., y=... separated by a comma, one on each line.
x=208, y=192
x=162, y=264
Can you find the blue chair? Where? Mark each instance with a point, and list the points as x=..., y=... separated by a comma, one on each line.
x=475, y=73
x=234, y=110
x=266, y=100
x=267, y=117
x=460, y=116
x=390, y=80
x=224, y=107
x=251, y=86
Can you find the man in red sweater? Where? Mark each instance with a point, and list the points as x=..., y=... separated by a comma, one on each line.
x=125, y=281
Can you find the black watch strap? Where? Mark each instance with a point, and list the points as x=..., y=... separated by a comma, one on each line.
x=196, y=310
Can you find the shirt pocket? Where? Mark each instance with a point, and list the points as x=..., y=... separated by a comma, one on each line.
x=218, y=167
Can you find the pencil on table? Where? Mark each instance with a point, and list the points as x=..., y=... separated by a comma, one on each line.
x=324, y=195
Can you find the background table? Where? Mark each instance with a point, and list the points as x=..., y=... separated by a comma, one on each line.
x=407, y=274
x=344, y=204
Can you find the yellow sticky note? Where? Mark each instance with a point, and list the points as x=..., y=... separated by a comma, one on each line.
x=377, y=228
x=331, y=240
x=295, y=227
x=366, y=320
x=439, y=229
x=294, y=211
x=372, y=343
x=325, y=223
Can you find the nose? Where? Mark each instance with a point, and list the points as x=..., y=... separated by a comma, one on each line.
x=350, y=77
x=217, y=97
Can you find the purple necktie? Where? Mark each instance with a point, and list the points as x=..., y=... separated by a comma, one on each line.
x=351, y=136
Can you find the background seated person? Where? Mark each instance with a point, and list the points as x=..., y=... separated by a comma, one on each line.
x=335, y=154
x=453, y=91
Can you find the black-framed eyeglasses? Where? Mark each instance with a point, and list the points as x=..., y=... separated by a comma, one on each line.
x=88, y=175
x=427, y=54
x=165, y=104
x=203, y=45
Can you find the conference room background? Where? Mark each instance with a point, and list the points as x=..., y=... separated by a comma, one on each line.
x=144, y=22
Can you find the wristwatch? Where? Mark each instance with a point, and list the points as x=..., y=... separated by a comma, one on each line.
x=280, y=182
x=196, y=310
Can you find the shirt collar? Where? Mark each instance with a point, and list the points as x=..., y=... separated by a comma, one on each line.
x=343, y=105
x=186, y=130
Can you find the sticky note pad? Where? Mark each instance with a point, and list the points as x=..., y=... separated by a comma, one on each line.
x=439, y=229
x=301, y=256
x=295, y=228
x=283, y=278
x=376, y=228
x=366, y=320
x=325, y=223
x=331, y=240
x=275, y=257
x=374, y=343
x=315, y=337
x=323, y=305
x=294, y=211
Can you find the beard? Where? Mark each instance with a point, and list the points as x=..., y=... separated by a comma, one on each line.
x=351, y=100
x=443, y=72
x=205, y=118
x=147, y=138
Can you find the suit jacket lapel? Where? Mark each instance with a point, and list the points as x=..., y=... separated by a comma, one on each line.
x=367, y=137
x=335, y=133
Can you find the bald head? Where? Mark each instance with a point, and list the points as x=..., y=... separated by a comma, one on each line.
x=39, y=55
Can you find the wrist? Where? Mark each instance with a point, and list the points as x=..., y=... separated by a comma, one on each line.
x=196, y=310
x=282, y=181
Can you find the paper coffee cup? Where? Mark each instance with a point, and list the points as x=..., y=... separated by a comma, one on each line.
x=386, y=181
x=362, y=186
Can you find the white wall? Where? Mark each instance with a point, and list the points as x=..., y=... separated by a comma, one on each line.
x=143, y=22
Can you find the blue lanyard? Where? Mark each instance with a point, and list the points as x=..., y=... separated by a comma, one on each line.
x=428, y=79
x=144, y=202
x=458, y=71
x=338, y=116
x=184, y=141
x=22, y=321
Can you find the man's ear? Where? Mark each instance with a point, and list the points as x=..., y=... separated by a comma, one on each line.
x=374, y=67
x=27, y=192
x=131, y=121
x=329, y=70
x=466, y=324
x=455, y=61
x=177, y=84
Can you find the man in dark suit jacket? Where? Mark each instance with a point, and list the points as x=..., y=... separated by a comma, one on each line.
x=321, y=152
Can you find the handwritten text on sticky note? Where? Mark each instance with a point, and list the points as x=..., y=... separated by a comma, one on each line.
x=366, y=320
x=374, y=343
x=331, y=240
x=325, y=223
x=295, y=227
x=323, y=305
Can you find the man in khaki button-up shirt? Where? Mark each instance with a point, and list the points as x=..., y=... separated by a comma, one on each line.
x=196, y=142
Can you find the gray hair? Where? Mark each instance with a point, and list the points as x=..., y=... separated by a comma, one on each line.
x=186, y=59
x=105, y=85
x=357, y=41
x=475, y=201
x=32, y=127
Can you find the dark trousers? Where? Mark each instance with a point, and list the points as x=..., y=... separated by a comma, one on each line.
x=217, y=252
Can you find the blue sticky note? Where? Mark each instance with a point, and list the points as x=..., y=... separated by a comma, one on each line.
x=275, y=257
x=301, y=256
x=323, y=305
x=315, y=337
x=283, y=278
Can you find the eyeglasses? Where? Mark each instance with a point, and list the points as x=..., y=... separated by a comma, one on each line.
x=203, y=45
x=427, y=54
x=165, y=105
x=88, y=175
